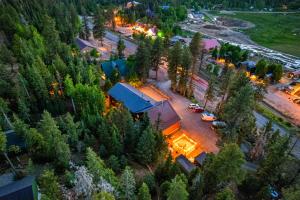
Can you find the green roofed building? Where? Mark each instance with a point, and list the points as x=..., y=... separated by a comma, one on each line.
x=109, y=66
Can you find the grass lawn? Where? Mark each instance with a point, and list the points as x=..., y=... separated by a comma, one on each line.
x=276, y=31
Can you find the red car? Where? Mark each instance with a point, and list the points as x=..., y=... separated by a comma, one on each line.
x=198, y=109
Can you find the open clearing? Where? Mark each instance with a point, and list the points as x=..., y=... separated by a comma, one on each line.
x=278, y=31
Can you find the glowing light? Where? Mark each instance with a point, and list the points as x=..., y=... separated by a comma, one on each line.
x=184, y=144
x=221, y=61
x=160, y=34
x=253, y=77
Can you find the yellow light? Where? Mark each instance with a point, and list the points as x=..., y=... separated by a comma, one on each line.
x=220, y=60
x=253, y=77
x=184, y=144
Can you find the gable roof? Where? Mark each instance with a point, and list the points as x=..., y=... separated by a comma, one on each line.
x=200, y=158
x=165, y=112
x=83, y=44
x=185, y=163
x=109, y=66
x=134, y=100
x=209, y=44
x=24, y=189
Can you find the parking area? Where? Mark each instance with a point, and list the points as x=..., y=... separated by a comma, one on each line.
x=192, y=126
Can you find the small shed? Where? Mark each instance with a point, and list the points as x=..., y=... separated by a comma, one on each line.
x=199, y=160
x=185, y=164
x=24, y=189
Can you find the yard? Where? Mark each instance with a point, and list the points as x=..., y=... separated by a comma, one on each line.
x=276, y=31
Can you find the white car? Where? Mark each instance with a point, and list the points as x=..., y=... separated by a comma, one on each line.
x=206, y=116
x=193, y=105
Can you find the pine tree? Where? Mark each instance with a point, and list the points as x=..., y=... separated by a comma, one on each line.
x=177, y=189
x=99, y=29
x=146, y=147
x=128, y=183
x=156, y=55
x=175, y=61
x=143, y=193
x=184, y=73
x=219, y=171
x=143, y=61
x=97, y=168
x=121, y=47
x=209, y=94
x=242, y=123
x=55, y=143
x=51, y=37
x=269, y=170
x=72, y=129
x=49, y=185
x=196, y=49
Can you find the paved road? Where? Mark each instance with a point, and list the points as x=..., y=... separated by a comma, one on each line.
x=114, y=38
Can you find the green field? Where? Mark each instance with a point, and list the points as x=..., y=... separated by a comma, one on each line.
x=276, y=31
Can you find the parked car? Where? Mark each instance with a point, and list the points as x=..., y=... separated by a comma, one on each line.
x=296, y=101
x=198, y=109
x=193, y=105
x=206, y=116
x=274, y=194
x=218, y=124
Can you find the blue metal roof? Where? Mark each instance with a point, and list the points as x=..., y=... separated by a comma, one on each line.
x=109, y=66
x=134, y=100
x=24, y=189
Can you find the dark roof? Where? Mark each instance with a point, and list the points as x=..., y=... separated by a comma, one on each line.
x=200, y=158
x=14, y=139
x=186, y=165
x=24, y=189
x=109, y=66
x=249, y=64
x=83, y=44
x=134, y=100
x=168, y=115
